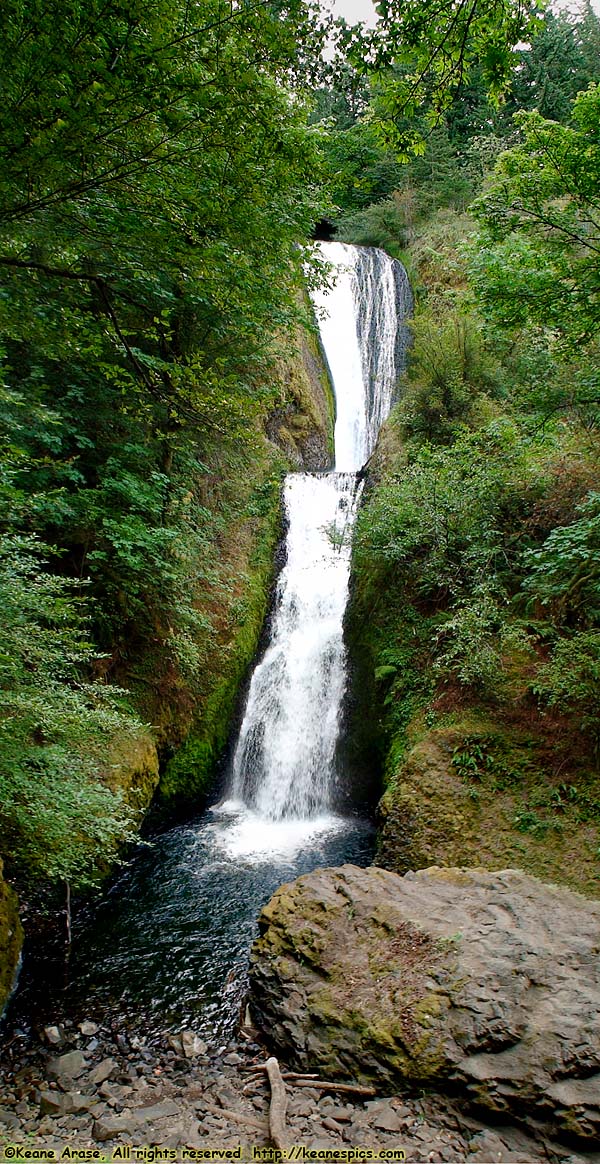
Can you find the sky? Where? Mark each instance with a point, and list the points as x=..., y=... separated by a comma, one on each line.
x=354, y=10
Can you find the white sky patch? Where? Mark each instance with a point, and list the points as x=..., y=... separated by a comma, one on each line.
x=353, y=11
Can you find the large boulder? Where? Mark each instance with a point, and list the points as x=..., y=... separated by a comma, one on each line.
x=486, y=982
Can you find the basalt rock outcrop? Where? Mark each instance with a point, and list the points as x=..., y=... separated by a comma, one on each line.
x=484, y=982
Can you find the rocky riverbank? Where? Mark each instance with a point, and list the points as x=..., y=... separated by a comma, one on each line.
x=92, y=1088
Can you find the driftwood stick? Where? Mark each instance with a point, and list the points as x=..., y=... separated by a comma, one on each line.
x=257, y=1068
x=278, y=1108
x=297, y=1075
x=303, y=1079
x=257, y=1082
x=236, y=1116
x=347, y=1088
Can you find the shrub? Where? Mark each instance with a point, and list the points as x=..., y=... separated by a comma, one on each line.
x=56, y=815
x=449, y=367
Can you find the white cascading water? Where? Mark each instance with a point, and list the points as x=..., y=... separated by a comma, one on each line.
x=283, y=773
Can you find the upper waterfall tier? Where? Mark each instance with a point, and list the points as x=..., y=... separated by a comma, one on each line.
x=364, y=337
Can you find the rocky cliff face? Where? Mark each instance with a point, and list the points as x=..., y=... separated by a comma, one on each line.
x=487, y=982
x=11, y=939
x=303, y=426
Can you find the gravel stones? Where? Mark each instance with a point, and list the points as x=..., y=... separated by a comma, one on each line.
x=222, y=1102
x=54, y=1036
x=188, y=1044
x=110, y=1127
x=103, y=1070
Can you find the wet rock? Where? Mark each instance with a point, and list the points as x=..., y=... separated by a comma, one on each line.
x=194, y=1091
x=8, y=1118
x=88, y=1028
x=388, y=1120
x=488, y=981
x=300, y=1106
x=61, y=1103
x=109, y=1090
x=109, y=1127
x=342, y=1115
x=66, y=1067
x=52, y=1103
x=156, y=1111
x=488, y=1147
x=103, y=1071
x=188, y=1044
x=55, y=1036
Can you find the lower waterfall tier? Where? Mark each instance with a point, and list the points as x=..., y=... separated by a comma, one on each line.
x=284, y=762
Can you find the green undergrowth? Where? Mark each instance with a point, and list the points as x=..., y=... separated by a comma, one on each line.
x=248, y=550
x=475, y=693
x=475, y=599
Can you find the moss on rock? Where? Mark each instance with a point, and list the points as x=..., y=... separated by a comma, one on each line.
x=302, y=426
x=478, y=793
x=131, y=767
x=11, y=939
x=446, y=977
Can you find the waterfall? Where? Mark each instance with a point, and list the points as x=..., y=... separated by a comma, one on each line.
x=364, y=336
x=283, y=773
x=171, y=940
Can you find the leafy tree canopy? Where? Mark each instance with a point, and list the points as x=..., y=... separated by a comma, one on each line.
x=424, y=53
x=538, y=260
x=156, y=178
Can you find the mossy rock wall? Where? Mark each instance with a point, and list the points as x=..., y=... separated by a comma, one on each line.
x=302, y=427
x=189, y=774
x=475, y=793
x=299, y=435
x=11, y=939
x=132, y=768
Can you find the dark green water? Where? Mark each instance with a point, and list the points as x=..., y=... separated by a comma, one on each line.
x=168, y=945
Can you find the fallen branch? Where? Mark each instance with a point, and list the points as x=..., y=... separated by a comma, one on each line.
x=262, y=1067
x=303, y=1079
x=236, y=1116
x=278, y=1108
x=347, y=1088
